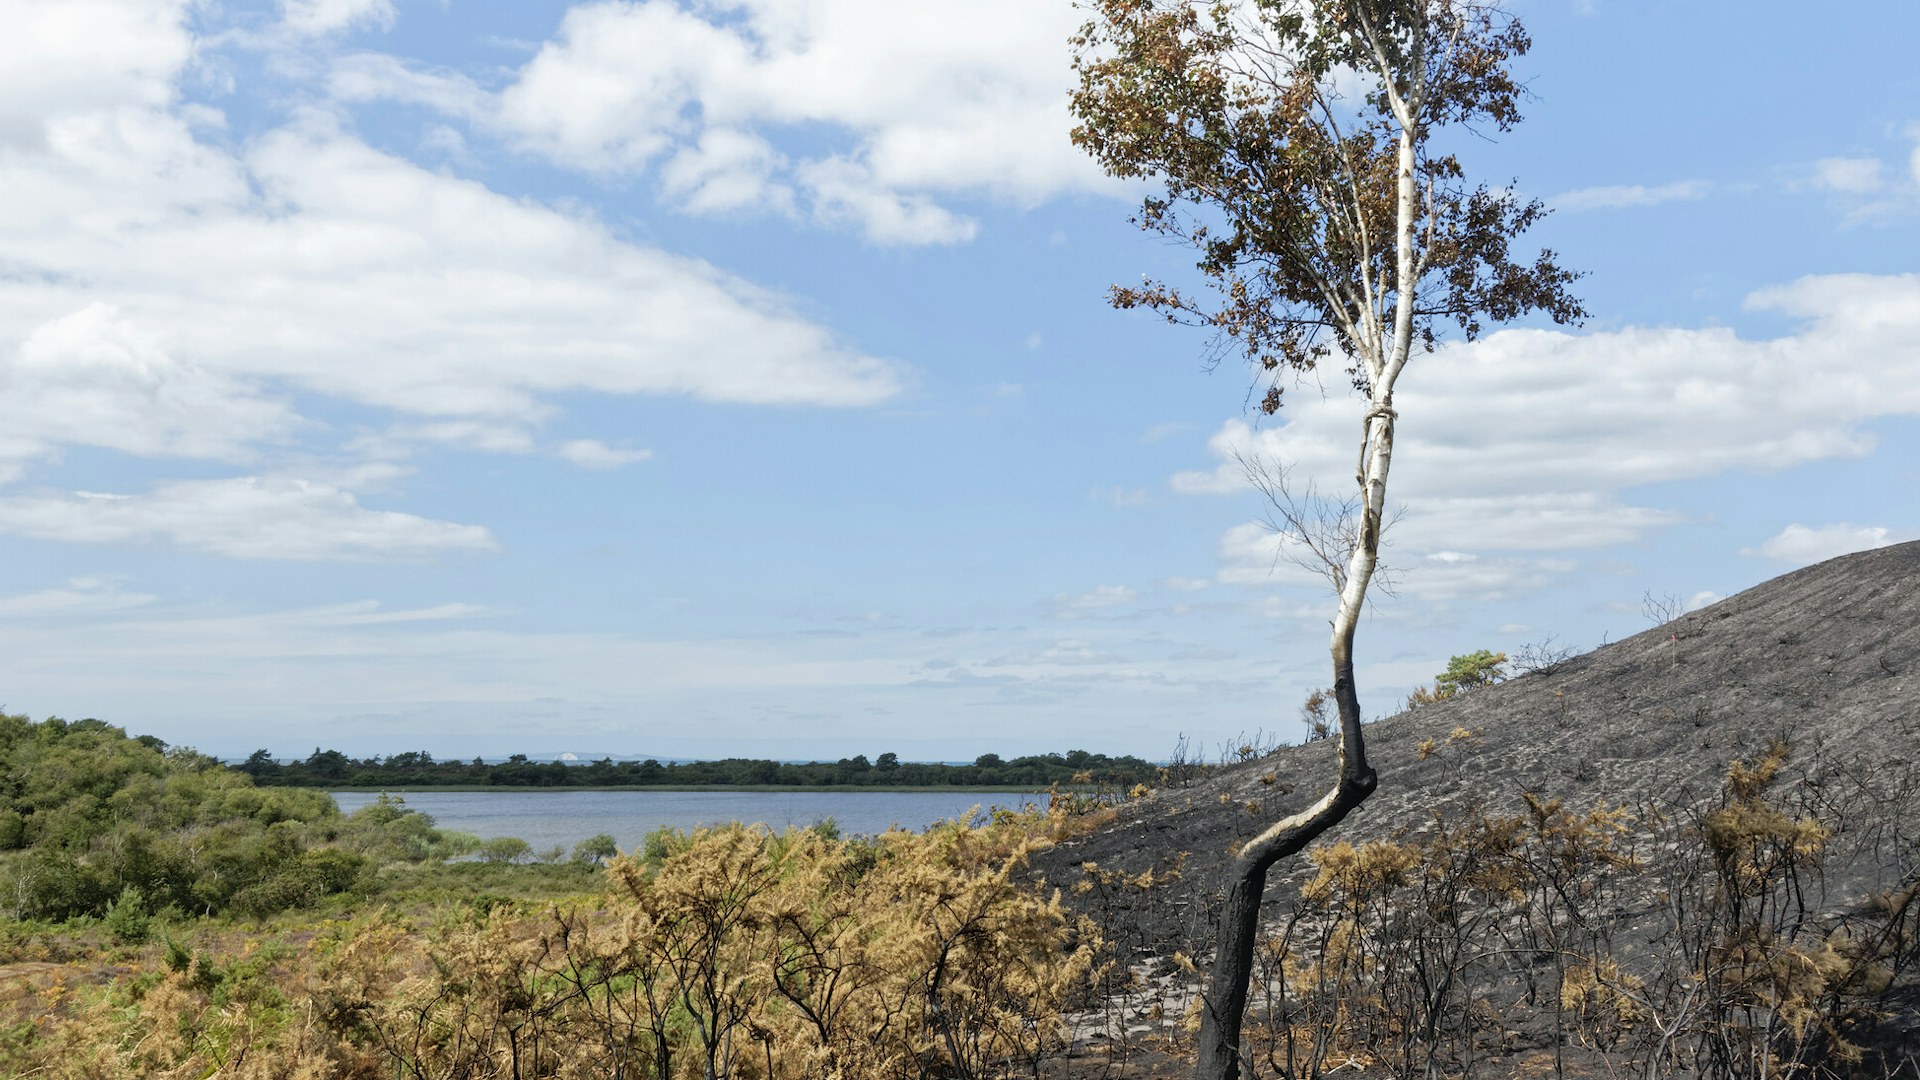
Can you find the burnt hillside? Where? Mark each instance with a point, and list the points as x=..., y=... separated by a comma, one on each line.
x=1825, y=659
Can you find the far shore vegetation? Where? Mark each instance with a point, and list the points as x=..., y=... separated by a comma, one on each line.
x=418, y=770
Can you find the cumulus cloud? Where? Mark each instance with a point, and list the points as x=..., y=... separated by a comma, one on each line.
x=364, y=277
x=1623, y=196
x=725, y=171
x=79, y=55
x=912, y=103
x=95, y=378
x=846, y=192
x=244, y=518
x=313, y=258
x=1532, y=442
x=1802, y=545
x=171, y=295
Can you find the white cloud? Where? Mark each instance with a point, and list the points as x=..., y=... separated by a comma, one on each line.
x=613, y=90
x=594, y=454
x=243, y=518
x=94, y=378
x=1801, y=545
x=911, y=102
x=455, y=300
x=79, y=596
x=845, y=193
x=77, y=55
x=727, y=171
x=501, y=435
x=377, y=76
x=1622, y=196
x=333, y=16
x=1870, y=188
x=1253, y=554
x=374, y=613
x=1703, y=598
x=491, y=435
x=169, y=296
x=1854, y=176
x=1534, y=441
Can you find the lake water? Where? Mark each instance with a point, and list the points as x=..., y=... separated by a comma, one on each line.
x=547, y=819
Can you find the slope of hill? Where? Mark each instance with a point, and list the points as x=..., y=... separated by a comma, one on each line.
x=1825, y=661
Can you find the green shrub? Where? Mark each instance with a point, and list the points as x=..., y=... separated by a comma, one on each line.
x=505, y=849
x=594, y=849
x=127, y=919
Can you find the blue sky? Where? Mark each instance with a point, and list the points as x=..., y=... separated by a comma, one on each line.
x=735, y=378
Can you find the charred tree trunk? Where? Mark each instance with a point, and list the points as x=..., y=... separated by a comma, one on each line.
x=1224, y=1009
x=1225, y=1004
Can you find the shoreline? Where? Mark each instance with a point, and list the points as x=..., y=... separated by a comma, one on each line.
x=757, y=789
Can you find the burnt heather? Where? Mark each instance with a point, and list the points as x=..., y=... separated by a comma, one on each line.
x=1825, y=659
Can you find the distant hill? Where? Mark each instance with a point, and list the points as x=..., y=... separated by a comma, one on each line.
x=1825, y=659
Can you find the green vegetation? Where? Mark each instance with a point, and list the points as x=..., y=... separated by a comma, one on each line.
x=167, y=918
x=94, y=823
x=418, y=769
x=1482, y=667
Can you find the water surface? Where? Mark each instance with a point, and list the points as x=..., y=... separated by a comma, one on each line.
x=547, y=819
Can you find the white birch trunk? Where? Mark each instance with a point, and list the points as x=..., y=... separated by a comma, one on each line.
x=1224, y=1005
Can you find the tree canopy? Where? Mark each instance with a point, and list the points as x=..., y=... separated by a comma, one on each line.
x=1285, y=136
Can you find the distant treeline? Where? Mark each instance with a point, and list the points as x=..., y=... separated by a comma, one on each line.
x=331, y=768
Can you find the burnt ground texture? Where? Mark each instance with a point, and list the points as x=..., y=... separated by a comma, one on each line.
x=1825, y=660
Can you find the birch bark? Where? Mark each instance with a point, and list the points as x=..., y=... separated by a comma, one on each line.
x=1225, y=1002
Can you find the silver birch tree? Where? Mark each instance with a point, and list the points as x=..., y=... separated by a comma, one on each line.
x=1295, y=147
